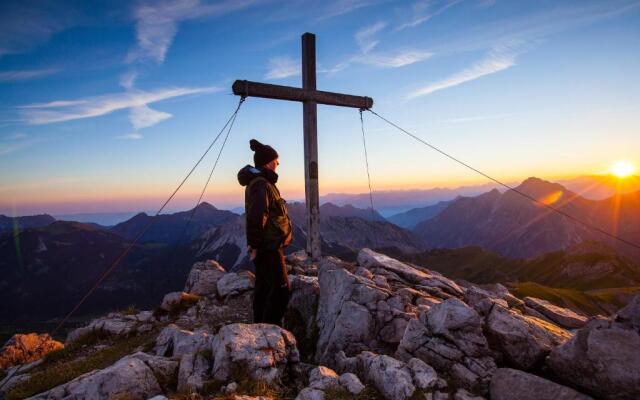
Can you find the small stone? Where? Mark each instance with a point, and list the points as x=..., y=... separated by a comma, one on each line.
x=351, y=383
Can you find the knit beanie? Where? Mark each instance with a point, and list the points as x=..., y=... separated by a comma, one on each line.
x=263, y=153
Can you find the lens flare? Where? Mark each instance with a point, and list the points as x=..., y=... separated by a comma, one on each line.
x=623, y=168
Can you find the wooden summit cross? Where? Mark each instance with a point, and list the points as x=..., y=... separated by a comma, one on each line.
x=309, y=97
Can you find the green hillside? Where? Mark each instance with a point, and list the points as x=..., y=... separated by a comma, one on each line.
x=591, y=278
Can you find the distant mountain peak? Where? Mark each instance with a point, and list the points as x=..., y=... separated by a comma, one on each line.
x=206, y=206
x=537, y=187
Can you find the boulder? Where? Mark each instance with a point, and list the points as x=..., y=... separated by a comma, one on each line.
x=394, y=379
x=481, y=300
x=449, y=337
x=351, y=383
x=13, y=378
x=193, y=371
x=178, y=300
x=343, y=322
x=370, y=259
x=323, y=378
x=25, y=348
x=130, y=377
x=310, y=393
x=511, y=384
x=561, y=316
x=114, y=324
x=603, y=358
x=355, y=314
x=235, y=283
x=261, y=351
x=174, y=341
x=203, y=278
x=523, y=341
x=462, y=394
x=299, y=257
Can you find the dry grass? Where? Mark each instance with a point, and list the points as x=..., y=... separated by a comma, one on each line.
x=62, y=368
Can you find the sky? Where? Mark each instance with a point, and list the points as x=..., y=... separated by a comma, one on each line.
x=106, y=105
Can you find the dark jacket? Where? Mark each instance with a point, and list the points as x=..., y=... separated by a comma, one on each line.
x=267, y=219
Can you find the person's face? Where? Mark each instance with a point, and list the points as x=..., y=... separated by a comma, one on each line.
x=273, y=165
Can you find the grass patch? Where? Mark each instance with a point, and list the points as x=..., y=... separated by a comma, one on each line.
x=591, y=302
x=62, y=368
x=70, y=352
x=131, y=310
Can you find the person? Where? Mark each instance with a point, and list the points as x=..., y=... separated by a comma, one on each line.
x=268, y=231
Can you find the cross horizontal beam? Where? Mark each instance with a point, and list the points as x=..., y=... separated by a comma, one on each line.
x=268, y=91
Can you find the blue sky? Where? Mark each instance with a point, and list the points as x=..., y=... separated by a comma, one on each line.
x=106, y=105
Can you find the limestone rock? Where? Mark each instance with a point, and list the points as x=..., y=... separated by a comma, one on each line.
x=235, y=283
x=12, y=379
x=25, y=348
x=175, y=300
x=262, y=351
x=561, y=316
x=449, y=337
x=424, y=376
x=462, y=394
x=511, y=384
x=193, y=372
x=524, y=341
x=390, y=376
x=310, y=393
x=303, y=302
x=203, y=278
x=481, y=300
x=299, y=257
x=370, y=259
x=603, y=358
x=323, y=378
x=351, y=383
x=114, y=324
x=344, y=323
x=176, y=342
x=355, y=314
x=394, y=379
x=130, y=377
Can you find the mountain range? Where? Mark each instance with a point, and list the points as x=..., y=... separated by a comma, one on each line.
x=518, y=227
x=59, y=260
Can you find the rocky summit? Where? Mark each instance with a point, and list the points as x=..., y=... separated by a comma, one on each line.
x=377, y=328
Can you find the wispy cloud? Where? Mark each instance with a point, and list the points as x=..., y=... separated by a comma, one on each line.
x=63, y=110
x=130, y=136
x=341, y=7
x=128, y=79
x=26, y=74
x=282, y=67
x=144, y=117
x=499, y=58
x=15, y=142
x=395, y=60
x=157, y=23
x=424, y=10
x=365, y=36
x=367, y=43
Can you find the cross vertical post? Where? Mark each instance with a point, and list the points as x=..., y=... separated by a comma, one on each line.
x=310, y=128
x=310, y=97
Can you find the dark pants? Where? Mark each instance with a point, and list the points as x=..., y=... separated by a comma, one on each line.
x=271, y=294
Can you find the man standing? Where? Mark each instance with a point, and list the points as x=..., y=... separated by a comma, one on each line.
x=268, y=233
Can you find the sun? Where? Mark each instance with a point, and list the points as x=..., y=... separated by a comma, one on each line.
x=623, y=169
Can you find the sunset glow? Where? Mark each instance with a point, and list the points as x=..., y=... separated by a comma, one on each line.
x=623, y=169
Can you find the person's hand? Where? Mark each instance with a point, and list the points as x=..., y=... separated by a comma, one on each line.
x=252, y=253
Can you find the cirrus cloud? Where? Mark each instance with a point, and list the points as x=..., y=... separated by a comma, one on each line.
x=138, y=100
